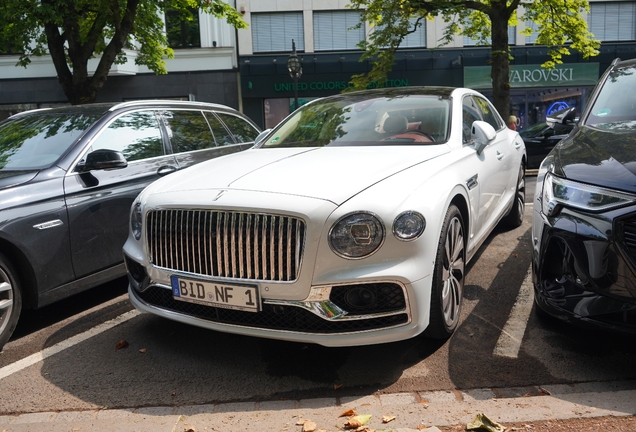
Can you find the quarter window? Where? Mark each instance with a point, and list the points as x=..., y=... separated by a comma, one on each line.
x=221, y=135
x=136, y=135
x=242, y=130
x=188, y=131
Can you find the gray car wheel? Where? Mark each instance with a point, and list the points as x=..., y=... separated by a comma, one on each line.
x=448, y=277
x=514, y=219
x=10, y=300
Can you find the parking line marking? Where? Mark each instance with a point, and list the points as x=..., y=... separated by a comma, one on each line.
x=511, y=336
x=61, y=346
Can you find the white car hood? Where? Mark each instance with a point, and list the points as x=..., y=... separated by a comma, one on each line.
x=331, y=173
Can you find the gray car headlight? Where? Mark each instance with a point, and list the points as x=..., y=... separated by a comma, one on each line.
x=356, y=235
x=136, y=220
x=558, y=192
x=408, y=226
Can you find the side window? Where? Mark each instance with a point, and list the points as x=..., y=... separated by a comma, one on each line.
x=241, y=129
x=136, y=135
x=469, y=115
x=488, y=113
x=188, y=131
x=221, y=134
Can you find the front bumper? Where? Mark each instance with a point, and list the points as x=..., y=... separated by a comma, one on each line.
x=584, y=267
x=325, y=317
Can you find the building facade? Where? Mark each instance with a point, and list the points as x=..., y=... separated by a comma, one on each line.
x=247, y=69
x=326, y=44
x=204, y=68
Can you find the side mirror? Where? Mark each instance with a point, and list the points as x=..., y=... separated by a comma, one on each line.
x=102, y=159
x=482, y=134
x=562, y=121
x=261, y=135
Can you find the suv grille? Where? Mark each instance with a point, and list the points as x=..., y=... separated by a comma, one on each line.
x=226, y=244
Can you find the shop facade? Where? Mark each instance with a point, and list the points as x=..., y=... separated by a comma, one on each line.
x=268, y=91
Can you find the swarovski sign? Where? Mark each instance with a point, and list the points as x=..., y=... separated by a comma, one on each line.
x=521, y=76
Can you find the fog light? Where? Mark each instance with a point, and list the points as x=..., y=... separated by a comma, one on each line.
x=360, y=297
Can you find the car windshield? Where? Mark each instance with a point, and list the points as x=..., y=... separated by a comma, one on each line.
x=615, y=105
x=363, y=120
x=37, y=140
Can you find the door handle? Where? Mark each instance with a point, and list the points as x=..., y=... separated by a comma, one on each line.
x=165, y=170
x=500, y=156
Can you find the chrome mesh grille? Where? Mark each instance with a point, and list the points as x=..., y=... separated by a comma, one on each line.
x=226, y=244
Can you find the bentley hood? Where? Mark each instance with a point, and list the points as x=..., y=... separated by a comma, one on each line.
x=330, y=174
x=603, y=156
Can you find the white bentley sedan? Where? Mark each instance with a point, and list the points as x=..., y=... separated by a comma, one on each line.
x=350, y=223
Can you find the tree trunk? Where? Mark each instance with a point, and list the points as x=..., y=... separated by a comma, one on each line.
x=499, y=16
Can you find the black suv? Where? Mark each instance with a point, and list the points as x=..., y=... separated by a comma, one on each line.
x=68, y=177
x=584, y=222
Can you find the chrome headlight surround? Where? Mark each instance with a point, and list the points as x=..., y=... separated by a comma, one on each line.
x=409, y=226
x=136, y=219
x=558, y=192
x=356, y=235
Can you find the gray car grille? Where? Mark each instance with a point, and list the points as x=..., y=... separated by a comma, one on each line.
x=226, y=244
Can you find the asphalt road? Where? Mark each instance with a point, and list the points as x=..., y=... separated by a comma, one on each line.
x=170, y=364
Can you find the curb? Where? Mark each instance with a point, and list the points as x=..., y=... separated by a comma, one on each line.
x=412, y=411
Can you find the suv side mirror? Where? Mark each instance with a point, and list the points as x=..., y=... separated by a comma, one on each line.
x=482, y=134
x=102, y=159
x=562, y=121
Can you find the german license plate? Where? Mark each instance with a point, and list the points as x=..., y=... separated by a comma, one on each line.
x=228, y=296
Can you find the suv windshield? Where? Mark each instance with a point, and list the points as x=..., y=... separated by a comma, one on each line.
x=615, y=101
x=360, y=120
x=37, y=140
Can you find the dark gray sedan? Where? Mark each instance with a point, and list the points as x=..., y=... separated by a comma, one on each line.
x=68, y=177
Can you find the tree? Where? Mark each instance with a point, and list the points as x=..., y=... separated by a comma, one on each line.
x=74, y=31
x=560, y=26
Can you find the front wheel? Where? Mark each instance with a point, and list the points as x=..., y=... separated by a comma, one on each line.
x=10, y=300
x=447, y=287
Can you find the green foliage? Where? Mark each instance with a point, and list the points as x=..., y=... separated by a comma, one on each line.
x=74, y=31
x=560, y=26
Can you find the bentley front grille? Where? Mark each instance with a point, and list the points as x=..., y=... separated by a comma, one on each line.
x=226, y=244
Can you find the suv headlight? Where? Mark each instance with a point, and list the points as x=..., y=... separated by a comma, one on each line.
x=558, y=192
x=356, y=235
x=136, y=219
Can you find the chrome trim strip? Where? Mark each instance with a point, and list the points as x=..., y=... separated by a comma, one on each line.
x=49, y=224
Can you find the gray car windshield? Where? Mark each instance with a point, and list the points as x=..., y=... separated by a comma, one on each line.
x=37, y=140
x=615, y=104
x=364, y=121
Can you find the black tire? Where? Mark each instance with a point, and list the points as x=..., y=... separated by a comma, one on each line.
x=514, y=218
x=10, y=300
x=447, y=287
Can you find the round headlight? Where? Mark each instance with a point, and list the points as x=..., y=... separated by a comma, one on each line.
x=356, y=235
x=408, y=226
x=136, y=220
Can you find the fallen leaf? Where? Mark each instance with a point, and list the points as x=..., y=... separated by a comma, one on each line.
x=544, y=391
x=188, y=429
x=309, y=426
x=173, y=394
x=483, y=423
x=386, y=419
x=121, y=344
x=143, y=350
x=348, y=413
x=357, y=421
x=337, y=386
